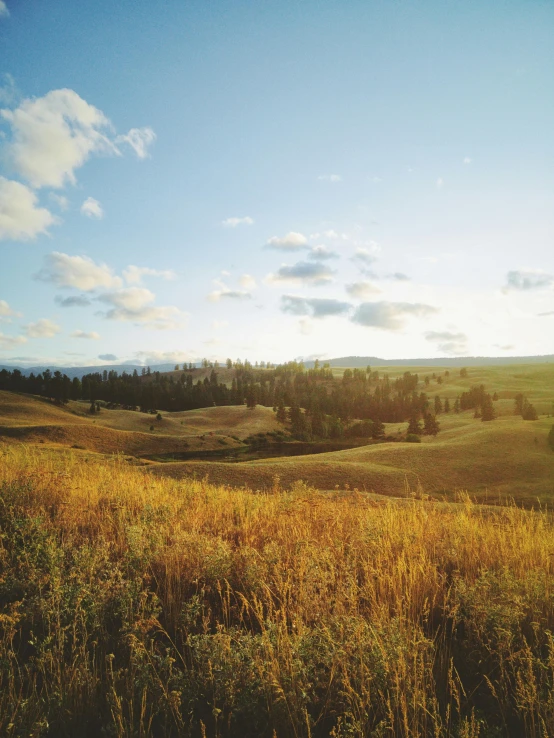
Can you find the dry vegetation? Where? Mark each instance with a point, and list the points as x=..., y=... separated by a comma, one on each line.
x=138, y=606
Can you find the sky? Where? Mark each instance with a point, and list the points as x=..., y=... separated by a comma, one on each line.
x=275, y=180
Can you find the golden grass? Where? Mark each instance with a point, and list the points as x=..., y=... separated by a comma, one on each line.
x=137, y=606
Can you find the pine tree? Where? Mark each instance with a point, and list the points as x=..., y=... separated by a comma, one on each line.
x=447, y=405
x=487, y=409
x=430, y=425
x=438, y=405
x=414, y=426
x=457, y=405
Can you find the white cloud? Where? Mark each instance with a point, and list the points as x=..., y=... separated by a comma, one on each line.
x=4, y=12
x=467, y=160
x=314, y=273
x=139, y=139
x=133, y=304
x=9, y=342
x=440, y=183
x=92, y=208
x=330, y=178
x=80, y=272
x=293, y=241
x=93, y=335
x=234, y=222
x=43, y=328
x=6, y=312
x=20, y=218
x=362, y=290
x=389, y=315
x=54, y=135
x=134, y=274
x=248, y=282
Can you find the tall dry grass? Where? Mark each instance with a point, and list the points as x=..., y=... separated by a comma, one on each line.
x=138, y=606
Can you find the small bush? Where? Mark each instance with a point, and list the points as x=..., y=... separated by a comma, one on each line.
x=413, y=438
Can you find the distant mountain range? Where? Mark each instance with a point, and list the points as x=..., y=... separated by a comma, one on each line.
x=375, y=361
x=343, y=361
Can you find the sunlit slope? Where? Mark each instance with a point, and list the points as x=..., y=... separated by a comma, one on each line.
x=25, y=410
x=231, y=420
x=34, y=420
x=488, y=459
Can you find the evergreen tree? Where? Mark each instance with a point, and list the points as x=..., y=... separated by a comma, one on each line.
x=430, y=425
x=529, y=412
x=447, y=405
x=438, y=405
x=414, y=426
x=457, y=405
x=487, y=409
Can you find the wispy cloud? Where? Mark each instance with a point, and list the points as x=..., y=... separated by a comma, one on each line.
x=134, y=274
x=362, y=290
x=92, y=335
x=448, y=342
x=4, y=12
x=330, y=178
x=315, y=307
x=317, y=253
x=314, y=273
x=234, y=222
x=390, y=315
x=43, y=328
x=6, y=312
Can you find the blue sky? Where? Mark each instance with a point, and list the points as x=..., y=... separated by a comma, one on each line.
x=274, y=180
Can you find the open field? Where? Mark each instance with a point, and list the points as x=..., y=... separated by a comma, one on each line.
x=137, y=606
x=505, y=458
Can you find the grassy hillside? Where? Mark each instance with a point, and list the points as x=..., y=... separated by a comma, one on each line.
x=491, y=460
x=136, y=606
x=29, y=419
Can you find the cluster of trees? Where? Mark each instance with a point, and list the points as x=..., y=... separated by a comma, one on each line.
x=476, y=398
x=523, y=407
x=319, y=404
x=315, y=401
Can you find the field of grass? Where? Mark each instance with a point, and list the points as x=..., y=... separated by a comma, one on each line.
x=139, y=606
x=508, y=457
x=492, y=461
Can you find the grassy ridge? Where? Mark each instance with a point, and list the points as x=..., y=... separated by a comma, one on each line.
x=138, y=606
